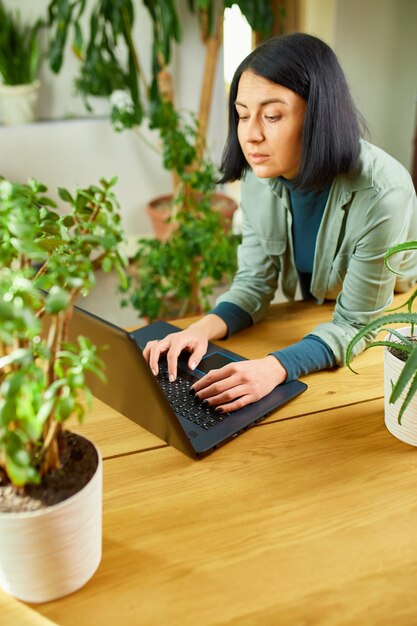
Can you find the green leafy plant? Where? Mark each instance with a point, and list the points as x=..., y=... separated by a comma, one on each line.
x=47, y=261
x=200, y=251
x=405, y=348
x=19, y=48
x=177, y=276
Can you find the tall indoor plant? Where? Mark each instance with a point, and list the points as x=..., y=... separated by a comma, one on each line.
x=177, y=276
x=19, y=67
x=400, y=359
x=111, y=65
x=50, y=479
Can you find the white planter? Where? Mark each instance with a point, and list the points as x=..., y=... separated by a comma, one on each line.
x=407, y=430
x=47, y=554
x=18, y=103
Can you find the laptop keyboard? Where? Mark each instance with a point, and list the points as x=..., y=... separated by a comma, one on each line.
x=185, y=403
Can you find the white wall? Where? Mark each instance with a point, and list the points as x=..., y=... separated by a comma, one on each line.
x=78, y=153
x=317, y=17
x=376, y=42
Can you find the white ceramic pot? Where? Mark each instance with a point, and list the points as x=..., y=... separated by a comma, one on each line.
x=18, y=103
x=407, y=430
x=47, y=554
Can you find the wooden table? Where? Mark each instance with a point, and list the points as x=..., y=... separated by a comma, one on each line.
x=285, y=324
x=308, y=518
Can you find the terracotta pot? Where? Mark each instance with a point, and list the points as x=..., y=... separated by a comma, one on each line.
x=393, y=366
x=159, y=211
x=49, y=553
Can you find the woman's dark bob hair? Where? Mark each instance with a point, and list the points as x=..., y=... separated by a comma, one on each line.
x=331, y=132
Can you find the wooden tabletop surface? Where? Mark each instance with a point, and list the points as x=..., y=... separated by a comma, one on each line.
x=309, y=518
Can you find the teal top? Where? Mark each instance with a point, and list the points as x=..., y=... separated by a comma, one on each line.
x=307, y=208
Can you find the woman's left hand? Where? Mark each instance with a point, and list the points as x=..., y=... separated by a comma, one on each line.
x=235, y=385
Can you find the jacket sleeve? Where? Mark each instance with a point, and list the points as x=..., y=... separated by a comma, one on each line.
x=368, y=286
x=256, y=279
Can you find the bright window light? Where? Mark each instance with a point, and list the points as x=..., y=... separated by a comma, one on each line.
x=237, y=41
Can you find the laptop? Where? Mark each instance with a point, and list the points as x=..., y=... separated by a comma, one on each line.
x=168, y=410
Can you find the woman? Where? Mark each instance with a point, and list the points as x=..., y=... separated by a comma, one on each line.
x=320, y=208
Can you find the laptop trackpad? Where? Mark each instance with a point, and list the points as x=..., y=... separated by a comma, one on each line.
x=213, y=361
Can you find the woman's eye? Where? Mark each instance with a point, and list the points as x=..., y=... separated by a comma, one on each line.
x=273, y=118
x=242, y=118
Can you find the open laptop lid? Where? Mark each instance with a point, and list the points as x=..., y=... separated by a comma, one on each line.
x=131, y=388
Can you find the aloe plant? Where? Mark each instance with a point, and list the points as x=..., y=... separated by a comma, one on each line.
x=47, y=260
x=403, y=345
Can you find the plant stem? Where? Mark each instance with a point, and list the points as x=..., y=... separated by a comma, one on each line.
x=212, y=45
x=194, y=299
x=50, y=449
x=147, y=142
x=41, y=271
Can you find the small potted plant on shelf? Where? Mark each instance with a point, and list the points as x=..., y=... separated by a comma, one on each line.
x=400, y=360
x=50, y=478
x=19, y=67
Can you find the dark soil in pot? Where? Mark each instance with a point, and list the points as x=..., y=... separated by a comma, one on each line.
x=400, y=354
x=79, y=463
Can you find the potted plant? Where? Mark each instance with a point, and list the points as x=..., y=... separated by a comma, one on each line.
x=50, y=478
x=400, y=360
x=19, y=66
x=175, y=277
x=137, y=95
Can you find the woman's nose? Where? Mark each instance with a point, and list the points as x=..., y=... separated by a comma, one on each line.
x=254, y=130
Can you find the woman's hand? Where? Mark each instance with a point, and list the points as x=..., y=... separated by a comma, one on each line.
x=194, y=340
x=235, y=385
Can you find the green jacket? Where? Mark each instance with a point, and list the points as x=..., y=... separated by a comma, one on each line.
x=366, y=213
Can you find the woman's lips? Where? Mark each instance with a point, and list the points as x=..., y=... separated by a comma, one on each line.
x=257, y=157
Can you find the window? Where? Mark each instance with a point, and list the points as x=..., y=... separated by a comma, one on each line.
x=237, y=41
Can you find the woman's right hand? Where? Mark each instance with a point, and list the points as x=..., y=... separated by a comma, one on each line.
x=193, y=339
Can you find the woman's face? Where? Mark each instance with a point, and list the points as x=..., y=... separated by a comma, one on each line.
x=271, y=119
